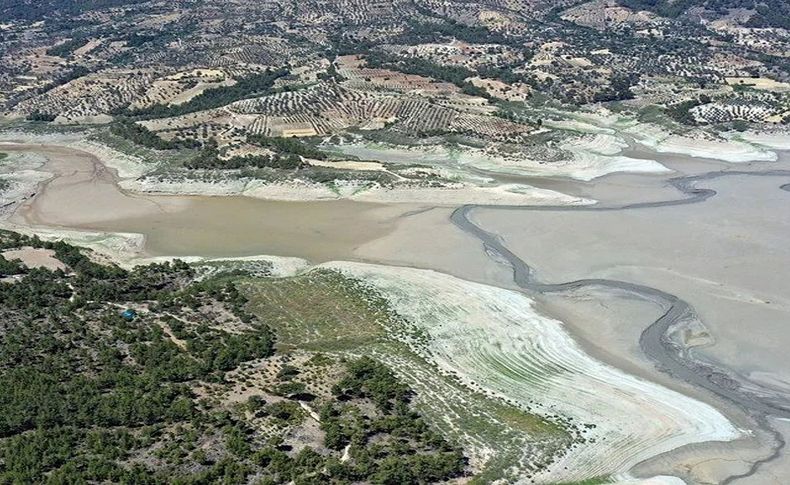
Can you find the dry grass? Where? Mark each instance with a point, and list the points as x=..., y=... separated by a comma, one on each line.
x=320, y=311
x=35, y=258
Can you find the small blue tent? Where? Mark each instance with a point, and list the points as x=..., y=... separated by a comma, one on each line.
x=128, y=314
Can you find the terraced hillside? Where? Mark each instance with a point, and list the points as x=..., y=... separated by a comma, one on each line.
x=413, y=69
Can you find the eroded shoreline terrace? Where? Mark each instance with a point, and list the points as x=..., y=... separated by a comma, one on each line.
x=81, y=199
x=395, y=242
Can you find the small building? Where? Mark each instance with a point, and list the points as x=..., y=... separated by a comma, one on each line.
x=129, y=314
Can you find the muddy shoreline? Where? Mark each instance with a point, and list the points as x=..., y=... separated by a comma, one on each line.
x=673, y=360
x=669, y=356
x=82, y=194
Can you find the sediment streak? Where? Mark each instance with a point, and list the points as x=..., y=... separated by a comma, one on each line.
x=669, y=357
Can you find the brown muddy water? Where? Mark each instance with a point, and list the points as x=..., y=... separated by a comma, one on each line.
x=241, y=226
x=83, y=194
x=726, y=256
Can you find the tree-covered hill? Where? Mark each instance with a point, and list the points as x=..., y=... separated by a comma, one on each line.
x=143, y=376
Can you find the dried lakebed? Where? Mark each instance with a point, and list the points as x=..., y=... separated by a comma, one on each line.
x=659, y=340
x=496, y=341
x=545, y=359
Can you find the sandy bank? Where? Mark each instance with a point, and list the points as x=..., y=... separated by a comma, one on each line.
x=302, y=190
x=80, y=190
x=21, y=173
x=777, y=139
x=729, y=150
x=126, y=166
x=77, y=192
x=494, y=339
x=130, y=174
x=599, y=155
x=590, y=157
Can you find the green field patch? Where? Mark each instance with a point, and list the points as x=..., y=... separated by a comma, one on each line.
x=523, y=442
x=320, y=311
x=325, y=311
x=589, y=481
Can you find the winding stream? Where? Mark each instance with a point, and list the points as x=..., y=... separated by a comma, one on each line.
x=669, y=357
x=270, y=218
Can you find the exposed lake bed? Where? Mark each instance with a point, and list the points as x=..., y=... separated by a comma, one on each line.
x=669, y=248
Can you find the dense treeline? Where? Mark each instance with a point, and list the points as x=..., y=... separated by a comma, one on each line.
x=38, y=9
x=287, y=146
x=209, y=158
x=768, y=13
x=425, y=32
x=772, y=13
x=371, y=379
x=506, y=74
x=13, y=267
x=661, y=7
x=418, y=455
x=619, y=89
x=65, y=49
x=136, y=40
x=288, y=154
x=247, y=87
x=78, y=378
x=93, y=396
x=681, y=112
x=413, y=65
x=141, y=135
x=39, y=116
x=91, y=280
